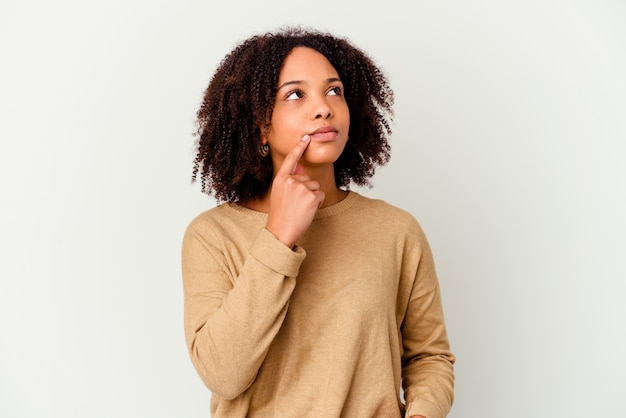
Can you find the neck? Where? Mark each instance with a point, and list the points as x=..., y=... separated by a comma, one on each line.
x=326, y=179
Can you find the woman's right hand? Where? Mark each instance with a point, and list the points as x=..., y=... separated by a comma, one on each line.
x=294, y=198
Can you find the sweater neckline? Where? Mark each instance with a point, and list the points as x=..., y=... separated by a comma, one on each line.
x=339, y=207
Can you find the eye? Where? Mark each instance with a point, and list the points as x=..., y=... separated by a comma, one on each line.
x=335, y=91
x=294, y=95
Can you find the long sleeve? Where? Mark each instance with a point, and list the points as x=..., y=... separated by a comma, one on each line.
x=427, y=363
x=363, y=318
x=235, y=302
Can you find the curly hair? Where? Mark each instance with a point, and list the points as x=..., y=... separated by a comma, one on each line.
x=239, y=101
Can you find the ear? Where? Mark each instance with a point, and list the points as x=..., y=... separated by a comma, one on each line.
x=264, y=133
x=265, y=129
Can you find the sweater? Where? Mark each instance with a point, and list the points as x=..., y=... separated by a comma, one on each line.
x=348, y=323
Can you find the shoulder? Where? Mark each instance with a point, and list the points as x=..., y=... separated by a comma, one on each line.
x=208, y=219
x=227, y=222
x=393, y=228
x=217, y=221
x=389, y=223
x=382, y=212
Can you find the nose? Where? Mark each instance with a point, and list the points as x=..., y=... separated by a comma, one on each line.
x=321, y=109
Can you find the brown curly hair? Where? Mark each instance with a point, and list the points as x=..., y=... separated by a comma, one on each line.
x=239, y=101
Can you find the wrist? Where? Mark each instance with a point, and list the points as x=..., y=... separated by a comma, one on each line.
x=284, y=238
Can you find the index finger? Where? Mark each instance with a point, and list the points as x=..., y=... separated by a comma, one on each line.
x=291, y=160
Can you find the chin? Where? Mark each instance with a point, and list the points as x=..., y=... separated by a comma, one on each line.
x=322, y=159
x=323, y=156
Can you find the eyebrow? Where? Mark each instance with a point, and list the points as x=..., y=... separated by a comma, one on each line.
x=288, y=83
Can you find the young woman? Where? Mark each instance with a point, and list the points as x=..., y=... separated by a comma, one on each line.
x=303, y=298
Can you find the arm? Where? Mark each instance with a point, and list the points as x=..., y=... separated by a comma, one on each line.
x=427, y=363
x=230, y=322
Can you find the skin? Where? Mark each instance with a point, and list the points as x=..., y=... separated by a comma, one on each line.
x=307, y=134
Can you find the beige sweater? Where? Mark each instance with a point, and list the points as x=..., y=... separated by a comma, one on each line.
x=330, y=329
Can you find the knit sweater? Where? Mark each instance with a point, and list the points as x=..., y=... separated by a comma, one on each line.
x=331, y=328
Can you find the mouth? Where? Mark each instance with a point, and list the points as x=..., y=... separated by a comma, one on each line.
x=324, y=130
x=324, y=134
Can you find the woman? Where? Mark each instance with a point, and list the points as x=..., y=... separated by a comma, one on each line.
x=303, y=298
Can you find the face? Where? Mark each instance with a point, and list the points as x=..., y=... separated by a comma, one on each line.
x=310, y=101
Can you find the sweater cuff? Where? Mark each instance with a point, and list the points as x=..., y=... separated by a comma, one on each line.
x=425, y=409
x=270, y=251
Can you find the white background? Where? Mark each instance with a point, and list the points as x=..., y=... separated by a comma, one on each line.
x=509, y=146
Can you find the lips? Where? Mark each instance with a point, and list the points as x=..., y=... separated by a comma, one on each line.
x=324, y=133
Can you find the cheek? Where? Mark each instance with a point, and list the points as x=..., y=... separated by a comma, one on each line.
x=344, y=111
x=283, y=123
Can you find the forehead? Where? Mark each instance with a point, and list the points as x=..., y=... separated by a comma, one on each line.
x=303, y=63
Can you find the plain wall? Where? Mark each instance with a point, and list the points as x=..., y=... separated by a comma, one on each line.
x=509, y=147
